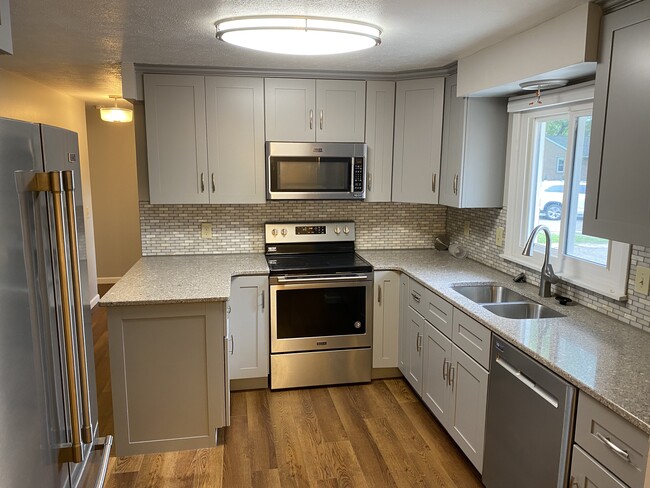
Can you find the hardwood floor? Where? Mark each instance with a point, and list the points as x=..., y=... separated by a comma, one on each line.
x=372, y=435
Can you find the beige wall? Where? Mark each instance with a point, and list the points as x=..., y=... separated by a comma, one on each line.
x=24, y=99
x=115, y=195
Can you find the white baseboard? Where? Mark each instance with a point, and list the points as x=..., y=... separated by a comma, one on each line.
x=94, y=301
x=108, y=280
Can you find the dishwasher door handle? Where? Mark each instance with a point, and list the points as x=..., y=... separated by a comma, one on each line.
x=541, y=392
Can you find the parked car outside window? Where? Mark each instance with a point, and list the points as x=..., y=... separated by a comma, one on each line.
x=551, y=199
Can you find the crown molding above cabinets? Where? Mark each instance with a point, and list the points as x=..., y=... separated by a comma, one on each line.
x=563, y=47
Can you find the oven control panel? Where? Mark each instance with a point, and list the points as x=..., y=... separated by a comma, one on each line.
x=288, y=232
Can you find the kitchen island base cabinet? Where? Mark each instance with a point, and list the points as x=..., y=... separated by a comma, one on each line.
x=168, y=376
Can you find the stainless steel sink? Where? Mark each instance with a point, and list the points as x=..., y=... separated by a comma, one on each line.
x=522, y=310
x=489, y=293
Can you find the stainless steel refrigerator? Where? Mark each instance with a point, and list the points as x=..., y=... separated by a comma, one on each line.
x=48, y=400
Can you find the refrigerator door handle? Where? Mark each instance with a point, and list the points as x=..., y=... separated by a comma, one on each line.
x=68, y=188
x=53, y=182
x=103, y=468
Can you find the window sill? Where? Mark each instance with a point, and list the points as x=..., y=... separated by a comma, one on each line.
x=618, y=295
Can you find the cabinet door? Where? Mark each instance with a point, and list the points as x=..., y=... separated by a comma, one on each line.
x=176, y=138
x=386, y=319
x=468, y=383
x=435, y=381
x=341, y=110
x=414, y=340
x=617, y=204
x=249, y=327
x=453, y=137
x=290, y=110
x=380, y=122
x=167, y=372
x=418, y=138
x=402, y=358
x=235, y=135
x=588, y=473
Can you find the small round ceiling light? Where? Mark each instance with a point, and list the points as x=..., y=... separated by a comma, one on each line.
x=298, y=35
x=542, y=84
x=115, y=113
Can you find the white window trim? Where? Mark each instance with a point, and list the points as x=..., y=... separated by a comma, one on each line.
x=610, y=280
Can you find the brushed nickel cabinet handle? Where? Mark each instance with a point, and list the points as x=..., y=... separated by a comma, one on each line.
x=455, y=184
x=574, y=483
x=613, y=447
x=416, y=297
x=232, y=345
x=202, y=182
x=369, y=182
x=68, y=188
x=311, y=120
x=418, y=342
x=321, y=120
x=452, y=376
x=379, y=294
x=444, y=369
x=433, y=182
x=214, y=186
x=262, y=299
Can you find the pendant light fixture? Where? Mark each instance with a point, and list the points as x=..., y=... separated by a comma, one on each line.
x=298, y=35
x=115, y=113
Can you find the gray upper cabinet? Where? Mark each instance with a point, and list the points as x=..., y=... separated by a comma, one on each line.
x=235, y=130
x=205, y=139
x=474, y=139
x=380, y=122
x=300, y=110
x=176, y=138
x=617, y=204
x=418, y=139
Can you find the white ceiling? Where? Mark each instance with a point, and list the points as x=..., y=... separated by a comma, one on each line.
x=77, y=46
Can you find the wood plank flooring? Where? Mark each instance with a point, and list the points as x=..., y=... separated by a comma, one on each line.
x=373, y=435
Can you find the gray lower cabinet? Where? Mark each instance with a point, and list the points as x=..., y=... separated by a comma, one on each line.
x=168, y=375
x=415, y=325
x=249, y=327
x=403, y=351
x=385, y=319
x=617, y=204
x=586, y=472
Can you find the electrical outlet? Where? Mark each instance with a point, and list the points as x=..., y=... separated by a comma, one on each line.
x=642, y=283
x=206, y=231
x=466, y=229
x=499, y=239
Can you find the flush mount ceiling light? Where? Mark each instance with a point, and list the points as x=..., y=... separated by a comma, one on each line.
x=542, y=84
x=115, y=113
x=298, y=35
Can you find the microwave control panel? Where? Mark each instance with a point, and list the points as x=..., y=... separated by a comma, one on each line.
x=358, y=174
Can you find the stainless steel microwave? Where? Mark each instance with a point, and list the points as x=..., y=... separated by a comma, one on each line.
x=315, y=171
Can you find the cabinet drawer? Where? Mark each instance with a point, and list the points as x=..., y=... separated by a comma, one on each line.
x=587, y=473
x=471, y=337
x=599, y=431
x=431, y=307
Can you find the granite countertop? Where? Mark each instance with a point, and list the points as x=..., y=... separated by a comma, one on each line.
x=605, y=358
x=182, y=279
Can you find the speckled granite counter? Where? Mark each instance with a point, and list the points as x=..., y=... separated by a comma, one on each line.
x=605, y=358
x=182, y=279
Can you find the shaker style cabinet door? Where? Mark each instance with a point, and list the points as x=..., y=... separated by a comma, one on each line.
x=386, y=314
x=586, y=472
x=380, y=122
x=176, y=139
x=403, y=353
x=437, y=363
x=290, y=110
x=235, y=135
x=340, y=110
x=474, y=141
x=418, y=140
x=617, y=204
x=249, y=327
x=414, y=345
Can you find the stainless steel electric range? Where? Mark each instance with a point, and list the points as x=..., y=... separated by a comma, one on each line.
x=321, y=305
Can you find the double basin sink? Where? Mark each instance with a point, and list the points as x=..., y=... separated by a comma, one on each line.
x=506, y=303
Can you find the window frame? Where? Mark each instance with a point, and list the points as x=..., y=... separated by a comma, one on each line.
x=610, y=280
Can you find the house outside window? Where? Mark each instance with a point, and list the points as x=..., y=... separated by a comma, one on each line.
x=559, y=165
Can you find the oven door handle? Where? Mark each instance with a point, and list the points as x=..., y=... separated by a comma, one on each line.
x=302, y=279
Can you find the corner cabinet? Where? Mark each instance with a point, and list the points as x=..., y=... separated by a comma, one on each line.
x=475, y=132
x=380, y=123
x=418, y=140
x=249, y=327
x=386, y=314
x=301, y=110
x=617, y=204
x=168, y=375
x=205, y=139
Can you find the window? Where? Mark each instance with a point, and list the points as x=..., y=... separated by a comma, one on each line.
x=549, y=150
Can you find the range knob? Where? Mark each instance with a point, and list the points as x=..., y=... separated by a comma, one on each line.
x=346, y=230
x=274, y=232
x=337, y=230
x=284, y=232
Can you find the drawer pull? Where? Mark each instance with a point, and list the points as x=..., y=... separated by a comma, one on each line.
x=416, y=297
x=617, y=450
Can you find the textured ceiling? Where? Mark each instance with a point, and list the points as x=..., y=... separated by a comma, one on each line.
x=77, y=46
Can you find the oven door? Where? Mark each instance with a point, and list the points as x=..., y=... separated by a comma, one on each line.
x=320, y=312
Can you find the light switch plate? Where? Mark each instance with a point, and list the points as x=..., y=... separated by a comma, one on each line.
x=499, y=239
x=642, y=282
x=206, y=230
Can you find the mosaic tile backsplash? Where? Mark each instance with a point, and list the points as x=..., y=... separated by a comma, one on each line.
x=481, y=247
x=176, y=229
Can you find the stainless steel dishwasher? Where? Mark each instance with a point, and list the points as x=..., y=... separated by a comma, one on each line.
x=529, y=424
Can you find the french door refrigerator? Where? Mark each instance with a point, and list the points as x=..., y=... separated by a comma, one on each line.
x=48, y=400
